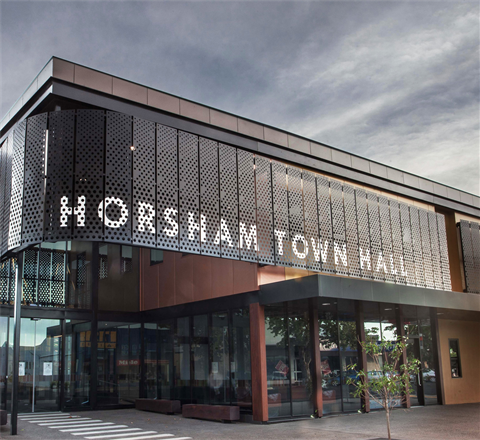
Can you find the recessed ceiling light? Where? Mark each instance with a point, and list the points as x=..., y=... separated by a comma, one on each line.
x=325, y=304
x=388, y=309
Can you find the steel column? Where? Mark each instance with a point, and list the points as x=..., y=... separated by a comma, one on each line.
x=16, y=343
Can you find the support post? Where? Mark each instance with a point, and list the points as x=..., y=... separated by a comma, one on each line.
x=258, y=352
x=400, y=324
x=362, y=356
x=316, y=366
x=94, y=327
x=437, y=357
x=16, y=341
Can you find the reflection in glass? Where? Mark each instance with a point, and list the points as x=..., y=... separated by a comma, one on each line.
x=348, y=354
x=240, y=369
x=330, y=359
x=200, y=359
x=78, y=343
x=300, y=360
x=278, y=362
x=118, y=360
x=182, y=360
x=219, y=379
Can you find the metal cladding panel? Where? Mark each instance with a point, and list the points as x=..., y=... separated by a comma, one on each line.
x=417, y=246
x=397, y=243
x=386, y=232
x=365, y=252
x=426, y=249
x=325, y=242
x=209, y=197
x=228, y=202
x=475, y=276
x=296, y=218
x=3, y=181
x=435, y=248
x=408, y=259
x=314, y=261
x=246, y=200
x=338, y=228
x=8, y=190
x=280, y=214
x=378, y=263
x=167, y=188
x=265, y=237
x=468, y=256
x=59, y=183
x=117, y=206
x=15, y=231
x=89, y=174
x=34, y=183
x=144, y=183
x=351, y=230
x=444, y=262
x=189, y=200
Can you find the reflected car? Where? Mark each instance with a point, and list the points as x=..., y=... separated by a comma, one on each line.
x=429, y=375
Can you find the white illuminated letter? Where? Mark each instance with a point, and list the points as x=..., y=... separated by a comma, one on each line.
x=340, y=253
x=167, y=215
x=320, y=250
x=78, y=211
x=146, y=215
x=365, y=259
x=301, y=255
x=223, y=234
x=380, y=263
x=402, y=267
x=249, y=238
x=192, y=226
x=203, y=228
x=392, y=266
x=123, y=212
x=280, y=237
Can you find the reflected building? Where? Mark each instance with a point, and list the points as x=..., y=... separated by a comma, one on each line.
x=169, y=250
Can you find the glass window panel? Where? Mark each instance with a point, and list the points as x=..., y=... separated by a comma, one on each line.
x=348, y=353
x=156, y=256
x=278, y=362
x=165, y=356
x=200, y=357
x=428, y=362
x=241, y=371
x=78, y=343
x=330, y=357
x=182, y=360
x=118, y=287
x=300, y=359
x=151, y=361
x=220, y=367
x=79, y=274
x=455, y=365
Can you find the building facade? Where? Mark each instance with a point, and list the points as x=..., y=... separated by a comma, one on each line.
x=170, y=250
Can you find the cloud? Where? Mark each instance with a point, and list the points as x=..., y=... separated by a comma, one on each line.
x=392, y=81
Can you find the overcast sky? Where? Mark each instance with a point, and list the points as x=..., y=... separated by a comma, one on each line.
x=396, y=82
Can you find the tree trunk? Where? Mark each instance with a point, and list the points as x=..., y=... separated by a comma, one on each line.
x=387, y=413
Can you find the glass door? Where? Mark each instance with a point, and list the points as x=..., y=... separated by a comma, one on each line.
x=417, y=396
x=39, y=366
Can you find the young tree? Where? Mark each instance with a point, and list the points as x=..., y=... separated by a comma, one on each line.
x=388, y=382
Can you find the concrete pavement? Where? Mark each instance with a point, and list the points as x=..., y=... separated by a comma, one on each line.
x=453, y=422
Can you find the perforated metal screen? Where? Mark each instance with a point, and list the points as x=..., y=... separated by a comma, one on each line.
x=95, y=175
x=470, y=238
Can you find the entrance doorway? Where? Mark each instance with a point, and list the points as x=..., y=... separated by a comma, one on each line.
x=39, y=366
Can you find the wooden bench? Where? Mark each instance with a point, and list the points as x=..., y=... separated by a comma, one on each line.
x=3, y=417
x=212, y=412
x=158, y=405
